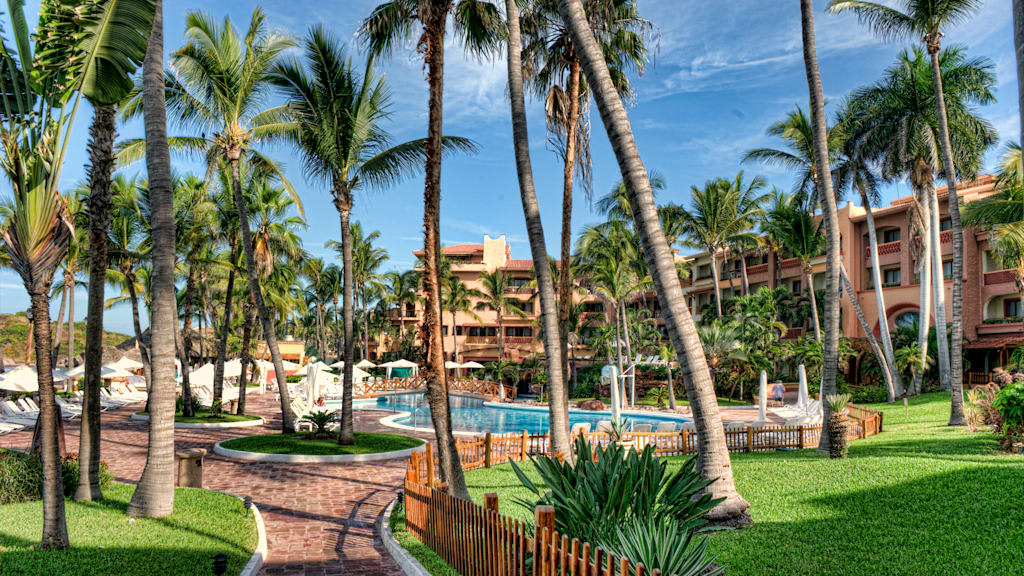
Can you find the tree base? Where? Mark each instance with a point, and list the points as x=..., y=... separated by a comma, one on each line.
x=733, y=512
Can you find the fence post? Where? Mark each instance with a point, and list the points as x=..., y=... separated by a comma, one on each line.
x=430, y=465
x=686, y=441
x=801, y=436
x=881, y=419
x=491, y=501
x=414, y=468
x=750, y=439
x=543, y=519
x=487, y=450
x=526, y=440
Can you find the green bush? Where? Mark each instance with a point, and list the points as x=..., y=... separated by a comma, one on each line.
x=21, y=476
x=1010, y=403
x=293, y=379
x=868, y=394
x=179, y=405
x=587, y=380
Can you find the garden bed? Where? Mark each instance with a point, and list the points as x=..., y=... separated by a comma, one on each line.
x=105, y=541
x=301, y=448
x=205, y=419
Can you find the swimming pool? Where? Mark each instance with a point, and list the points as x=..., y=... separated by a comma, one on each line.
x=474, y=415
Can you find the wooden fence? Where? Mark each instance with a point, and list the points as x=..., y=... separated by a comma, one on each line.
x=467, y=385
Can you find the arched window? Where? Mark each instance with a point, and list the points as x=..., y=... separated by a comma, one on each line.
x=907, y=319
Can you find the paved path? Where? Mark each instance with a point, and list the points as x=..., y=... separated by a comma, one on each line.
x=320, y=519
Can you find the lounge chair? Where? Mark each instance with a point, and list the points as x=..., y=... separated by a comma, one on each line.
x=604, y=426
x=12, y=413
x=8, y=427
x=580, y=428
x=69, y=409
x=688, y=426
x=666, y=427
x=642, y=428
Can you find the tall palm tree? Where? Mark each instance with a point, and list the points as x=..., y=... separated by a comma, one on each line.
x=798, y=236
x=553, y=70
x=827, y=199
x=367, y=260
x=713, y=458
x=209, y=94
x=457, y=297
x=900, y=126
x=154, y=494
x=495, y=295
x=723, y=213
x=401, y=290
x=334, y=116
x=477, y=23
x=558, y=390
x=927, y=19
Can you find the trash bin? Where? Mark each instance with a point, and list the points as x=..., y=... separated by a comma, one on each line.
x=190, y=467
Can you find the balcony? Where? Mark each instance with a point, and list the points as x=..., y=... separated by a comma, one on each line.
x=999, y=326
x=999, y=277
x=519, y=340
x=886, y=248
x=751, y=270
x=481, y=340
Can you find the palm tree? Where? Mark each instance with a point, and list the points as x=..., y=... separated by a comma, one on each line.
x=333, y=116
x=900, y=126
x=401, y=290
x=713, y=460
x=722, y=214
x=478, y=25
x=827, y=199
x=367, y=261
x=666, y=354
x=722, y=343
x=927, y=19
x=799, y=236
x=495, y=296
x=559, y=393
x=209, y=94
x=457, y=297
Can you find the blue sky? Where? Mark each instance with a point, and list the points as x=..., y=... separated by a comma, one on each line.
x=720, y=74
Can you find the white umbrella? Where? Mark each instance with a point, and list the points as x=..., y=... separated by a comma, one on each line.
x=472, y=364
x=451, y=365
x=21, y=379
x=403, y=363
x=233, y=368
x=762, y=399
x=802, y=399
x=364, y=363
x=127, y=364
x=340, y=364
x=107, y=371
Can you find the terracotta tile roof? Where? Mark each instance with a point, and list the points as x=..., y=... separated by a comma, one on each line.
x=993, y=342
x=518, y=265
x=457, y=249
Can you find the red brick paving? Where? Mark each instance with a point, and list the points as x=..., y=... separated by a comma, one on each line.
x=320, y=518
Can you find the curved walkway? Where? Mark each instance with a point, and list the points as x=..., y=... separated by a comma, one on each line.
x=320, y=519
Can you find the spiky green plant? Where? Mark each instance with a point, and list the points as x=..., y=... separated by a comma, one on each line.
x=837, y=425
x=320, y=420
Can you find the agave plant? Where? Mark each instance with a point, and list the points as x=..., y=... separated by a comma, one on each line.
x=839, y=441
x=320, y=420
x=667, y=547
x=595, y=497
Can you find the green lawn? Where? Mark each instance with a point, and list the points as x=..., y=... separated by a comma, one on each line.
x=431, y=561
x=205, y=417
x=301, y=443
x=921, y=498
x=645, y=401
x=105, y=541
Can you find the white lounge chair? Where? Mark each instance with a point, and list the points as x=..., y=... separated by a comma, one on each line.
x=604, y=426
x=642, y=428
x=666, y=427
x=580, y=428
x=12, y=413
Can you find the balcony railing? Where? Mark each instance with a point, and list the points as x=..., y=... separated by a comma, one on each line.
x=751, y=270
x=518, y=340
x=999, y=277
x=886, y=248
x=946, y=237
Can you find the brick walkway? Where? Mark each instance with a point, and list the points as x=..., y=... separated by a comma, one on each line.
x=320, y=519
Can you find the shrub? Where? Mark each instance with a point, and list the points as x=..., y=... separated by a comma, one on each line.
x=587, y=380
x=179, y=405
x=21, y=476
x=293, y=379
x=868, y=394
x=839, y=440
x=594, y=497
x=1010, y=404
x=1001, y=377
x=320, y=420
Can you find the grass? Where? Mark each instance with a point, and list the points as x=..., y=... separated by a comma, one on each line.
x=301, y=443
x=424, y=555
x=204, y=416
x=919, y=499
x=645, y=401
x=105, y=541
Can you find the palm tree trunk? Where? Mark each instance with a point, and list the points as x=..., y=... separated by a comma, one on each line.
x=830, y=361
x=55, y=529
x=29, y=342
x=629, y=356
x=60, y=319
x=222, y=342
x=956, y=356
x=883, y=321
x=558, y=405
x=71, y=324
x=343, y=202
x=924, y=276
x=939, y=294
x=883, y=362
x=266, y=321
x=101, y=158
x=713, y=455
x=154, y=494
x=337, y=327
x=137, y=326
x=1018, y=43
x=249, y=318
x=186, y=345
x=455, y=342
x=815, y=323
x=559, y=394
x=501, y=336
x=433, y=373
x=671, y=388
x=743, y=274
x=729, y=275
x=714, y=280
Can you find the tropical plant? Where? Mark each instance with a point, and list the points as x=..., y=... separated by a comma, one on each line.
x=495, y=296
x=799, y=236
x=320, y=419
x=608, y=487
x=714, y=463
x=457, y=297
x=839, y=442
x=927, y=20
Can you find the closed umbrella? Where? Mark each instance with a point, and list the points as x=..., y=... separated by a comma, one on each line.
x=802, y=399
x=762, y=399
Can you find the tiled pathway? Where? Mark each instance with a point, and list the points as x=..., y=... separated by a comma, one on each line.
x=320, y=519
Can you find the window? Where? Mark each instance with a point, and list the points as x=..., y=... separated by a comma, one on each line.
x=482, y=331
x=947, y=269
x=891, y=277
x=891, y=235
x=945, y=224
x=517, y=282
x=593, y=307
x=458, y=331
x=1011, y=308
x=796, y=287
x=704, y=271
x=444, y=330
x=907, y=320
x=519, y=332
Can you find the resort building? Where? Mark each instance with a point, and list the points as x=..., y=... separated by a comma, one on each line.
x=992, y=305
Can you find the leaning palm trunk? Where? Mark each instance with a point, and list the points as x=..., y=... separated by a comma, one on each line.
x=553, y=327
x=60, y=322
x=713, y=454
x=154, y=494
x=434, y=374
x=101, y=168
x=671, y=387
x=939, y=293
x=631, y=366
x=743, y=274
x=823, y=174
x=266, y=321
x=343, y=202
x=893, y=376
x=956, y=358
x=715, y=280
x=809, y=280
x=71, y=325
x=222, y=342
x=876, y=349
x=249, y=318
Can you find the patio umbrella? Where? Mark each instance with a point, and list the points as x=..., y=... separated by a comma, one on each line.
x=802, y=399
x=472, y=365
x=339, y=365
x=127, y=363
x=107, y=371
x=451, y=365
x=403, y=363
x=22, y=379
x=762, y=399
x=364, y=364
x=233, y=368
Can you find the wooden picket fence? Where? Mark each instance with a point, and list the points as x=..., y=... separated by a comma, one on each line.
x=412, y=383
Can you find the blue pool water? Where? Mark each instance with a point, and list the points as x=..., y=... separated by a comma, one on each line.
x=471, y=415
